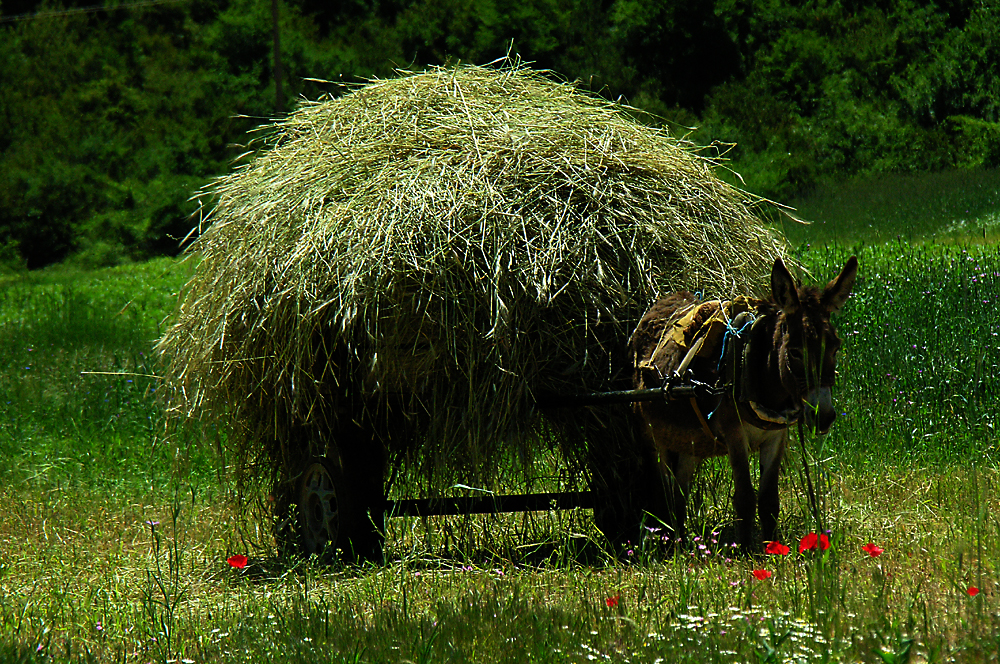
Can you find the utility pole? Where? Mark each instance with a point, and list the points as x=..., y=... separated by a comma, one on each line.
x=279, y=94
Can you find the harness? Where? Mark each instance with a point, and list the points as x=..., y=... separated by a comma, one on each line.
x=736, y=336
x=767, y=418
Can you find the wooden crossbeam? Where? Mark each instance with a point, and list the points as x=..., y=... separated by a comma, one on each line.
x=491, y=504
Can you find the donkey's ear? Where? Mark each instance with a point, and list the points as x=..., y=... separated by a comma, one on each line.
x=783, y=287
x=836, y=292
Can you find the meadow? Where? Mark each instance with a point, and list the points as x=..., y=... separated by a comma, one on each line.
x=115, y=531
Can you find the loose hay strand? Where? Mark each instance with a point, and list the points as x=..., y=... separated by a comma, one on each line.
x=451, y=243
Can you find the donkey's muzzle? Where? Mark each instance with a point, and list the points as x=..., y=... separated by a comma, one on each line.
x=818, y=410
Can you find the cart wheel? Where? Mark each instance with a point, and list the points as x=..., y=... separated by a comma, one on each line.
x=325, y=515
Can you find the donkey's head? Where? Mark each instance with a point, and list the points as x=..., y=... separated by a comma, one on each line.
x=808, y=343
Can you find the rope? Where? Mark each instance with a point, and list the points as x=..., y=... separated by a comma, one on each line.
x=730, y=331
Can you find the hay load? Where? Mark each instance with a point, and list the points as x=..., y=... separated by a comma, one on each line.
x=412, y=263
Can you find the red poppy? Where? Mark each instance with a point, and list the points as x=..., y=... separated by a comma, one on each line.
x=612, y=602
x=814, y=541
x=761, y=574
x=973, y=591
x=872, y=550
x=238, y=561
x=777, y=548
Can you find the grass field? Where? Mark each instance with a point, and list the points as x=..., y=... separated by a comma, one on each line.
x=951, y=207
x=114, y=537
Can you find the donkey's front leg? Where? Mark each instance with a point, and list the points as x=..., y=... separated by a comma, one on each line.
x=744, y=497
x=772, y=450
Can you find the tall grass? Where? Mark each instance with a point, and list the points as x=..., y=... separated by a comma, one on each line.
x=920, y=366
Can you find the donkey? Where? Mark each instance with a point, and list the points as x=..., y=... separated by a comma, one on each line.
x=757, y=367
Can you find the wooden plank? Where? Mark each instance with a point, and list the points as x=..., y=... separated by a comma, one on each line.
x=528, y=502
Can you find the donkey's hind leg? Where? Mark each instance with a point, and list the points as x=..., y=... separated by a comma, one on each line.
x=682, y=468
x=772, y=450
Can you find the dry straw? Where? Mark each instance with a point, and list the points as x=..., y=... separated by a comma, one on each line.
x=454, y=243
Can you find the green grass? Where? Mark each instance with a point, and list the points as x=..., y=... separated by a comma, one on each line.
x=961, y=206
x=131, y=592
x=86, y=466
x=78, y=384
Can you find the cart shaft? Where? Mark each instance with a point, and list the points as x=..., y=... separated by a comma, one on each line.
x=620, y=396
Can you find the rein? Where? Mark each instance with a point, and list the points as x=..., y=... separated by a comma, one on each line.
x=813, y=503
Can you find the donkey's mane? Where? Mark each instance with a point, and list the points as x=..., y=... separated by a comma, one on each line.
x=815, y=315
x=810, y=299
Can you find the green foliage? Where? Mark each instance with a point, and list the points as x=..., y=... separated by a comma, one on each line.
x=680, y=50
x=107, y=132
x=836, y=89
x=110, y=120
